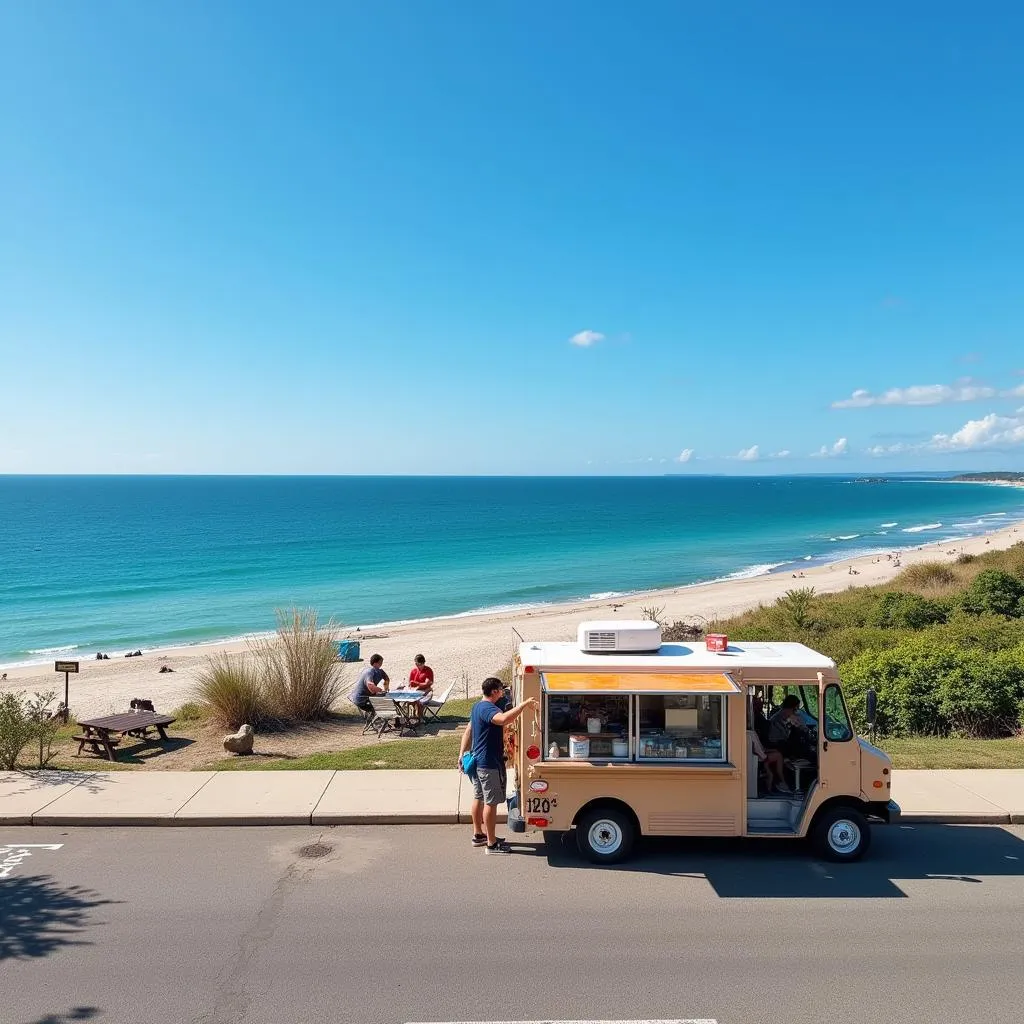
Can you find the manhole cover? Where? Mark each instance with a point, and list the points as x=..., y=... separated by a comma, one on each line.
x=314, y=850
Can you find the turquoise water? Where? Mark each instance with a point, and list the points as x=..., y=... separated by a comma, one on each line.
x=114, y=563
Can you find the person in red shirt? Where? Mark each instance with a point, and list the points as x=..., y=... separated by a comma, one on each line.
x=421, y=677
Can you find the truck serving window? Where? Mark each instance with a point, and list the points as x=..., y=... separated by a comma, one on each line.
x=591, y=727
x=683, y=727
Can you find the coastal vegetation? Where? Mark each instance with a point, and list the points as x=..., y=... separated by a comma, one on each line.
x=942, y=645
x=1002, y=477
x=292, y=676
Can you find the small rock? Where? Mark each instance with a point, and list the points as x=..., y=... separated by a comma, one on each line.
x=166, y=668
x=241, y=742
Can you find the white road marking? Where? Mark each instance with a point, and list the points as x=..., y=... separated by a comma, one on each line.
x=12, y=854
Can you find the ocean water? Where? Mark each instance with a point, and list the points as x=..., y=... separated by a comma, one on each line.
x=116, y=563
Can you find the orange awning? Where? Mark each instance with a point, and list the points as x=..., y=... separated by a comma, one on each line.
x=638, y=682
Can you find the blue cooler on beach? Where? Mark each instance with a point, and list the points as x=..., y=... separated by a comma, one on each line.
x=348, y=650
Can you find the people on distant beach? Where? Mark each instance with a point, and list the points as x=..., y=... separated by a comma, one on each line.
x=372, y=682
x=421, y=677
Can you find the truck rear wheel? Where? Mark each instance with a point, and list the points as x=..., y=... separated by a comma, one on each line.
x=841, y=834
x=605, y=835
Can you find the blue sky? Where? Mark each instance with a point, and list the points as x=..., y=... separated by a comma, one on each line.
x=439, y=237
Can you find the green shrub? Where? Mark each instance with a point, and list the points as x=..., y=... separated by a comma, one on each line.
x=302, y=676
x=16, y=729
x=930, y=688
x=191, y=711
x=901, y=610
x=995, y=592
x=44, y=725
x=231, y=689
x=843, y=645
x=797, y=605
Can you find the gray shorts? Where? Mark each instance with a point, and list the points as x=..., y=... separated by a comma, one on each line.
x=489, y=786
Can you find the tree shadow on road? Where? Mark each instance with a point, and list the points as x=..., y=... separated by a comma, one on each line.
x=781, y=868
x=66, y=1017
x=38, y=917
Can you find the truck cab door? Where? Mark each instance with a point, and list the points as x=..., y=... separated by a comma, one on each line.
x=838, y=751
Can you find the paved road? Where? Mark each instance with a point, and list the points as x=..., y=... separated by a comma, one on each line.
x=390, y=925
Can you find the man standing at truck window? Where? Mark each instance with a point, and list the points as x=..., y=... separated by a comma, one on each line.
x=485, y=736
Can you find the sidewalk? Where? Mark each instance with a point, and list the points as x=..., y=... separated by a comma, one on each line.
x=991, y=796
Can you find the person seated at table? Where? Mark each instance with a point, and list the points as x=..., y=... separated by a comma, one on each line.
x=373, y=681
x=421, y=677
x=787, y=732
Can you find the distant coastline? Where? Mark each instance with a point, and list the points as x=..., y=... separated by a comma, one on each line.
x=1001, y=479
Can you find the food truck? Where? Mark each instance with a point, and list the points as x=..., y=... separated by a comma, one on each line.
x=635, y=737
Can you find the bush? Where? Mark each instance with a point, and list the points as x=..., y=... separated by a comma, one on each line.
x=24, y=722
x=930, y=688
x=995, y=592
x=301, y=671
x=900, y=610
x=927, y=575
x=15, y=729
x=797, y=605
x=231, y=689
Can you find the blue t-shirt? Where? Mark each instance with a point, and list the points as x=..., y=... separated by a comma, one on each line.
x=370, y=674
x=488, y=739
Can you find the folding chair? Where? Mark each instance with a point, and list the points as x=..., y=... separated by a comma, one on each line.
x=369, y=718
x=432, y=707
x=386, y=716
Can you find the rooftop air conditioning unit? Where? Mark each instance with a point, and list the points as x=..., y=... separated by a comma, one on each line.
x=619, y=637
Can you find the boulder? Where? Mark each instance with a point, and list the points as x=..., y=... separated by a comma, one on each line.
x=241, y=742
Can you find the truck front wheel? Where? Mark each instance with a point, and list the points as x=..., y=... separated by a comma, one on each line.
x=841, y=834
x=605, y=835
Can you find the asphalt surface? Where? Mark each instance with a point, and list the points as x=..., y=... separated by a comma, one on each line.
x=387, y=925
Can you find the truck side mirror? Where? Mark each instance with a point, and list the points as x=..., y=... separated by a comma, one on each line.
x=872, y=707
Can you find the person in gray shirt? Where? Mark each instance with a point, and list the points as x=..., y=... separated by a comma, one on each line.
x=373, y=680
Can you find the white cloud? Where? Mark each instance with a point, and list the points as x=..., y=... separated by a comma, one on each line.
x=990, y=431
x=751, y=454
x=833, y=452
x=1017, y=392
x=685, y=455
x=879, y=450
x=919, y=394
x=784, y=454
x=584, y=339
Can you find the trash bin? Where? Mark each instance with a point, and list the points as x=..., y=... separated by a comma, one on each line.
x=348, y=650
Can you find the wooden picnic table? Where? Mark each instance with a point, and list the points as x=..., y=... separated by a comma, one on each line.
x=99, y=733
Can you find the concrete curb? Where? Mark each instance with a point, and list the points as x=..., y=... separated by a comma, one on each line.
x=938, y=818
x=249, y=821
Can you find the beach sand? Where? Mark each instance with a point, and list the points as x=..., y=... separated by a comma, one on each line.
x=465, y=649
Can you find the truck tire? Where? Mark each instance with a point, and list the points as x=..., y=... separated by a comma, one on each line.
x=605, y=835
x=841, y=834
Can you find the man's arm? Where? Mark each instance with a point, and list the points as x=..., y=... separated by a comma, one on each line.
x=385, y=677
x=467, y=742
x=507, y=717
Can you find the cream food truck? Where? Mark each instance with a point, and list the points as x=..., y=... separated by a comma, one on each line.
x=635, y=737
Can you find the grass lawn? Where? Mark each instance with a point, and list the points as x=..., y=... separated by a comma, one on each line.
x=421, y=752
x=946, y=752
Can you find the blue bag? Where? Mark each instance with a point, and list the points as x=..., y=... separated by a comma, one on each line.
x=469, y=764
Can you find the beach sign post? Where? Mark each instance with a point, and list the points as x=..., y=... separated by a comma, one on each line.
x=67, y=667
